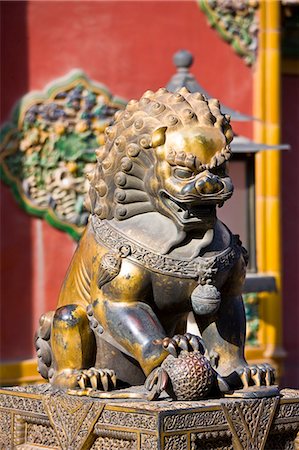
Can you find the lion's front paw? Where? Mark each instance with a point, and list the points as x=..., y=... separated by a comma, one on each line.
x=257, y=374
x=101, y=379
x=188, y=342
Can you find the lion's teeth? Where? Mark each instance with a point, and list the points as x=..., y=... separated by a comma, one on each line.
x=186, y=214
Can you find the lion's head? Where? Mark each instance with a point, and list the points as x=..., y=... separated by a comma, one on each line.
x=167, y=153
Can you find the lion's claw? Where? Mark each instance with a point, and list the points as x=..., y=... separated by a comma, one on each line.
x=183, y=342
x=156, y=382
x=258, y=375
x=82, y=380
x=172, y=349
x=102, y=379
x=194, y=342
x=187, y=342
x=270, y=375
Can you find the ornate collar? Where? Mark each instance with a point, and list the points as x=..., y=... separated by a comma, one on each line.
x=198, y=268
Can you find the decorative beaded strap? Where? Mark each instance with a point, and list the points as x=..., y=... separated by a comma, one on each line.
x=166, y=265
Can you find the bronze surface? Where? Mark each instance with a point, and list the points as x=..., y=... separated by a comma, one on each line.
x=153, y=252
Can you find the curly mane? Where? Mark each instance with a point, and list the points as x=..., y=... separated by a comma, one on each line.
x=117, y=183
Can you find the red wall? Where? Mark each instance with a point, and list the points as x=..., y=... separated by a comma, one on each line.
x=126, y=45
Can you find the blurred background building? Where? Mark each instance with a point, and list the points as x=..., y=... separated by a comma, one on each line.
x=245, y=54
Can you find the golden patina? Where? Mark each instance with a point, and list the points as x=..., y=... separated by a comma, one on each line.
x=153, y=252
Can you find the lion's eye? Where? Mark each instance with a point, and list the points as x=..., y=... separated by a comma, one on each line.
x=183, y=174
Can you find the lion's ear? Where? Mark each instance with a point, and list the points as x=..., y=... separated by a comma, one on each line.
x=158, y=137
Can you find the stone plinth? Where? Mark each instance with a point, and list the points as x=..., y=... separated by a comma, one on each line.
x=38, y=417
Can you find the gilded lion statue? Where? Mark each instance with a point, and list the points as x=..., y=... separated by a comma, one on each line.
x=153, y=252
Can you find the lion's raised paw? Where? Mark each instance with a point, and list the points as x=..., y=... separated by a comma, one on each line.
x=188, y=342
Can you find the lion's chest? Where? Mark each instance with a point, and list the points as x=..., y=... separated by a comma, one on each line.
x=172, y=293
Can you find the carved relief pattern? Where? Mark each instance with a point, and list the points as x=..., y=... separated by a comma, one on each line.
x=283, y=441
x=22, y=404
x=288, y=410
x=103, y=431
x=5, y=429
x=211, y=441
x=164, y=264
x=128, y=420
x=166, y=405
x=50, y=146
x=289, y=393
x=41, y=434
x=19, y=429
x=236, y=22
x=72, y=419
x=105, y=443
x=250, y=421
x=194, y=420
x=149, y=442
x=176, y=442
x=29, y=389
x=285, y=427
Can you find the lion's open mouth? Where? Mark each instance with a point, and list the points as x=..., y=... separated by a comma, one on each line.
x=187, y=212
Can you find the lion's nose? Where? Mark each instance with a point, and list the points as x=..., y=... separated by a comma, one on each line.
x=209, y=184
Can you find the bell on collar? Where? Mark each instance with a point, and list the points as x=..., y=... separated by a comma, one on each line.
x=205, y=299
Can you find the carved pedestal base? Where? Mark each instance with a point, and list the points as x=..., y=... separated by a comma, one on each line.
x=38, y=417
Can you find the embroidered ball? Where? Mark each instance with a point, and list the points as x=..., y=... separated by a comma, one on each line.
x=191, y=376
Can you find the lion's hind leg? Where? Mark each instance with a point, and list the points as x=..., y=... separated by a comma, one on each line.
x=73, y=345
x=66, y=349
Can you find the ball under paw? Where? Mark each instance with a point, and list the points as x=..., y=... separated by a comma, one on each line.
x=191, y=376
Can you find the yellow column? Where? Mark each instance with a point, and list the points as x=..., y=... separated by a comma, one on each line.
x=259, y=135
x=273, y=235
x=267, y=108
